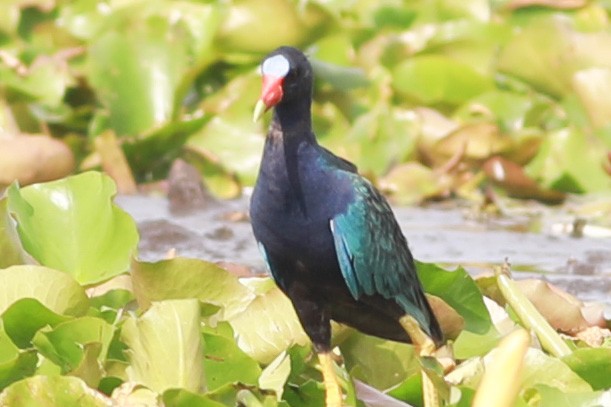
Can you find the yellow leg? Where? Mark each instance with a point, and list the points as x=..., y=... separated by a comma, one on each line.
x=425, y=347
x=333, y=393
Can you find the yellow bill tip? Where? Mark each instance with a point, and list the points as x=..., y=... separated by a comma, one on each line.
x=260, y=109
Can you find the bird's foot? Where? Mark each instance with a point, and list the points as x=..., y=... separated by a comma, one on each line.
x=422, y=342
x=333, y=391
x=425, y=348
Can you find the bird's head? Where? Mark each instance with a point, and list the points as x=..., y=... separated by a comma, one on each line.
x=287, y=75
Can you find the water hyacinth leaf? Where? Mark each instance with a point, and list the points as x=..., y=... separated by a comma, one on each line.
x=184, y=398
x=89, y=368
x=592, y=86
x=242, y=33
x=540, y=368
x=376, y=134
x=82, y=18
x=592, y=365
x=268, y=326
x=551, y=396
x=25, y=317
x=412, y=182
x=552, y=44
x=436, y=79
x=52, y=391
x=65, y=344
x=469, y=344
x=55, y=290
x=340, y=77
x=378, y=362
x=410, y=390
x=231, y=135
x=507, y=109
x=138, y=96
x=275, y=375
x=11, y=252
x=190, y=278
x=477, y=141
x=14, y=364
x=133, y=394
x=570, y=161
x=165, y=346
x=459, y=291
x=73, y=226
x=45, y=81
x=225, y=363
x=152, y=153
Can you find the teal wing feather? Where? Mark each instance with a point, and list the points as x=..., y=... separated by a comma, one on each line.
x=373, y=254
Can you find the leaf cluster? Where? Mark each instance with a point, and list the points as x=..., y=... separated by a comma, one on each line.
x=430, y=99
x=84, y=323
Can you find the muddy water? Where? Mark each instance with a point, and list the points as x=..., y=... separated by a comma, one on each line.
x=441, y=234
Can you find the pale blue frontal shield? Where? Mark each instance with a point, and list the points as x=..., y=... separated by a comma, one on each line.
x=277, y=66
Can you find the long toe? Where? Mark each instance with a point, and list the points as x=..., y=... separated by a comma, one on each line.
x=333, y=391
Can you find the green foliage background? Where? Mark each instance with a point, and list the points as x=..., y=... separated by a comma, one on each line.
x=422, y=95
x=402, y=86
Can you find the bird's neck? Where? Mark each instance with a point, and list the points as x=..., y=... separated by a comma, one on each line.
x=293, y=123
x=290, y=132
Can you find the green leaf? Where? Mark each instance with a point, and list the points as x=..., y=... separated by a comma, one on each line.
x=243, y=33
x=376, y=134
x=153, y=153
x=55, y=290
x=549, y=396
x=410, y=390
x=231, y=136
x=592, y=86
x=225, y=362
x=11, y=252
x=25, y=317
x=469, y=344
x=138, y=95
x=458, y=290
x=184, y=398
x=89, y=368
x=45, y=391
x=46, y=81
x=541, y=368
x=554, y=51
x=378, y=362
x=508, y=109
x=189, y=278
x=593, y=365
x=275, y=375
x=340, y=77
x=268, y=326
x=165, y=346
x=65, y=344
x=73, y=226
x=14, y=364
x=438, y=79
x=568, y=160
